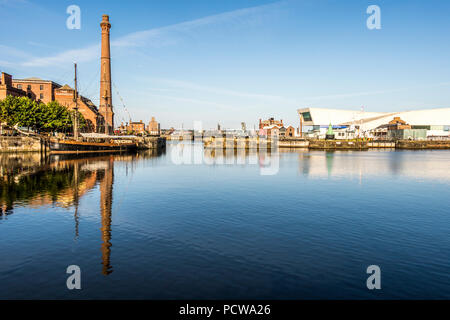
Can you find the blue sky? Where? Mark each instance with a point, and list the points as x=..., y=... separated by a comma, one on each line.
x=232, y=61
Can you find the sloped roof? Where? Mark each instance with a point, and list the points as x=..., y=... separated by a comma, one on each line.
x=65, y=87
x=371, y=120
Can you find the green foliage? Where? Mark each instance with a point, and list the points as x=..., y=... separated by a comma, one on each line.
x=25, y=112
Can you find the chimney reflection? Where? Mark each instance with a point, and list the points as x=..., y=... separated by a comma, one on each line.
x=106, y=190
x=62, y=181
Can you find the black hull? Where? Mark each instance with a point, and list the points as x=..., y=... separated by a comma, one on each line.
x=86, y=147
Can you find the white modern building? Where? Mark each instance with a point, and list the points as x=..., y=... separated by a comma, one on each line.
x=435, y=121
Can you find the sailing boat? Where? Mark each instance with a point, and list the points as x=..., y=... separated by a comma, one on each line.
x=75, y=145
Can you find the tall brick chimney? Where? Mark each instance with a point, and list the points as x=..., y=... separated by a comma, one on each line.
x=106, y=108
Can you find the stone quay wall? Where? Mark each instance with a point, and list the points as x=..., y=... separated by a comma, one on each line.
x=425, y=144
x=21, y=144
x=151, y=143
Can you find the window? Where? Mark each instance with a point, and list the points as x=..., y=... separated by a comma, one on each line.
x=19, y=86
x=41, y=96
x=307, y=116
x=41, y=87
x=29, y=87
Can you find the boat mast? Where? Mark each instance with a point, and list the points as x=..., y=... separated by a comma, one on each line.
x=75, y=122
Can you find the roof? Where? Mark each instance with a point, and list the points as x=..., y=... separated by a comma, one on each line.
x=372, y=120
x=65, y=87
x=273, y=126
x=36, y=80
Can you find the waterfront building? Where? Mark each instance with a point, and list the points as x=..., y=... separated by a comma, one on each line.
x=65, y=96
x=8, y=89
x=271, y=131
x=123, y=128
x=37, y=89
x=154, y=127
x=136, y=127
x=270, y=122
x=47, y=91
x=436, y=122
x=272, y=127
x=407, y=134
x=398, y=124
x=290, y=132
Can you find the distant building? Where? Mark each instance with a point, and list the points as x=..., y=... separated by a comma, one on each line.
x=137, y=127
x=167, y=131
x=287, y=132
x=407, y=134
x=436, y=122
x=397, y=124
x=153, y=127
x=290, y=132
x=270, y=122
x=123, y=128
x=272, y=127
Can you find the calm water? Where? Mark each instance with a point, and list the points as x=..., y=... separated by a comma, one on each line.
x=191, y=224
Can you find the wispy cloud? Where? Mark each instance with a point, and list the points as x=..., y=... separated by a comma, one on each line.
x=156, y=37
x=219, y=91
x=196, y=101
x=78, y=55
x=376, y=92
x=7, y=54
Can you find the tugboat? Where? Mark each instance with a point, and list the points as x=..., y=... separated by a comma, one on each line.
x=110, y=144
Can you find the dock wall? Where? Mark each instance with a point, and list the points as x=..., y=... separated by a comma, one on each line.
x=337, y=145
x=421, y=145
x=22, y=144
x=37, y=144
x=151, y=143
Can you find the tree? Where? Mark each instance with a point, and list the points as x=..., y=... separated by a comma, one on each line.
x=25, y=112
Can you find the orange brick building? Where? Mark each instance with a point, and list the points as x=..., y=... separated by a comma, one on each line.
x=153, y=127
x=137, y=127
x=65, y=96
x=47, y=91
x=398, y=124
x=37, y=89
x=270, y=122
x=7, y=88
x=290, y=131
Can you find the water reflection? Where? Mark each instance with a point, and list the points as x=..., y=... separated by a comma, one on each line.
x=430, y=165
x=33, y=180
x=106, y=193
x=184, y=223
x=424, y=164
